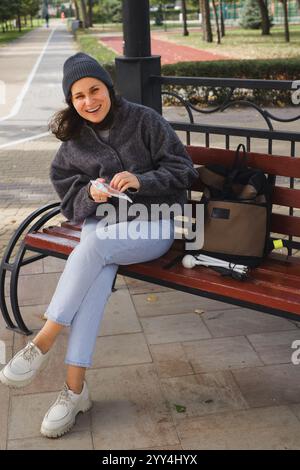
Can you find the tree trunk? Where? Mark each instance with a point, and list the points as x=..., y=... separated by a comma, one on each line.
x=183, y=9
x=19, y=21
x=90, y=16
x=222, y=18
x=286, y=20
x=84, y=14
x=217, y=22
x=77, y=13
x=31, y=23
x=265, y=20
x=206, y=24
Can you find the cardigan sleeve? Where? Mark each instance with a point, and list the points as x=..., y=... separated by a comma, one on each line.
x=71, y=187
x=173, y=167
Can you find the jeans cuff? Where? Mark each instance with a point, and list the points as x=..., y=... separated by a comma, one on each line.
x=79, y=364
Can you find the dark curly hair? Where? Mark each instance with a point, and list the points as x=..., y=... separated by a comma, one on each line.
x=67, y=123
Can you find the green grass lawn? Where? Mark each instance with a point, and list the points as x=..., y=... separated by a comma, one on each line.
x=245, y=44
x=237, y=44
x=90, y=44
x=11, y=35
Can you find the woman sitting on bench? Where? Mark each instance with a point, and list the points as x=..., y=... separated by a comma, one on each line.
x=133, y=149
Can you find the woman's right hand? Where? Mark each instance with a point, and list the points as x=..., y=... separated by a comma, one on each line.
x=96, y=194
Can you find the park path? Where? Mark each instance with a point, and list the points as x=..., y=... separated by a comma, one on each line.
x=170, y=52
x=31, y=69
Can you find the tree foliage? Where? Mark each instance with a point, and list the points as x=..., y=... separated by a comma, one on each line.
x=15, y=9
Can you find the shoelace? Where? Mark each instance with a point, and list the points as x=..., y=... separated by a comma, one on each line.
x=30, y=352
x=64, y=396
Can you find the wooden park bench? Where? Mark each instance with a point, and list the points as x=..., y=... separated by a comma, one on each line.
x=273, y=287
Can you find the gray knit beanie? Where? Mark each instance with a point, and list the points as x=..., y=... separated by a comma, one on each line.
x=83, y=65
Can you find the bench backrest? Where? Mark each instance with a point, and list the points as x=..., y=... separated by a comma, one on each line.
x=285, y=197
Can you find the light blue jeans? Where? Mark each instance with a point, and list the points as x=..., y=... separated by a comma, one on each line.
x=86, y=282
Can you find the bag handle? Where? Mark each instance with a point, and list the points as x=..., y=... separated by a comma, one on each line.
x=238, y=164
x=240, y=161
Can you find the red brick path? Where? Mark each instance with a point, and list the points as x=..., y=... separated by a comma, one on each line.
x=170, y=52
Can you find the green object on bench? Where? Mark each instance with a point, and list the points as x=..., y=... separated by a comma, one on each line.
x=273, y=287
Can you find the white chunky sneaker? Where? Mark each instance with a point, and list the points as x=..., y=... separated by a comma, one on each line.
x=61, y=416
x=24, y=366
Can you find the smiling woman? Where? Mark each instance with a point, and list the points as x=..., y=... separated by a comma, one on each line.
x=84, y=94
x=130, y=148
x=90, y=98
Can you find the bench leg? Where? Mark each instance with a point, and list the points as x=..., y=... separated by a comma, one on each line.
x=45, y=213
x=113, y=289
x=3, y=306
x=14, y=292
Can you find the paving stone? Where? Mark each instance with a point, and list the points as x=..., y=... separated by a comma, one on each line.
x=275, y=348
x=219, y=354
x=168, y=303
x=132, y=416
x=170, y=360
x=202, y=394
x=53, y=265
x=174, y=328
x=269, y=385
x=27, y=413
x=32, y=268
x=53, y=377
x=121, y=350
x=5, y=334
x=31, y=314
x=120, y=315
x=37, y=289
x=296, y=410
x=136, y=286
x=70, y=441
x=4, y=400
x=242, y=321
x=272, y=428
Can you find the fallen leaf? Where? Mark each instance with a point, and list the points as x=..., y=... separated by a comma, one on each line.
x=180, y=408
x=152, y=298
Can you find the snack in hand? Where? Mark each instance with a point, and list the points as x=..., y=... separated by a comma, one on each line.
x=105, y=188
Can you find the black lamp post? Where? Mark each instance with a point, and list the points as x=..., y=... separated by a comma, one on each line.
x=134, y=70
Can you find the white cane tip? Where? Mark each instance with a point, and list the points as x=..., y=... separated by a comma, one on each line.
x=188, y=261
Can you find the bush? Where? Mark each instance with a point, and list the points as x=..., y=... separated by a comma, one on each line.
x=275, y=69
x=108, y=11
x=250, y=15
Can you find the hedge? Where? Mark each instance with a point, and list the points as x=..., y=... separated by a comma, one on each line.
x=275, y=69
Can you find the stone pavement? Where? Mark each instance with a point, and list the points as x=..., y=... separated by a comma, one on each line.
x=158, y=352
x=171, y=370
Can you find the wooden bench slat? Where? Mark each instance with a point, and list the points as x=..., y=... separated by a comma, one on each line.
x=63, y=232
x=52, y=243
x=272, y=164
x=72, y=226
x=267, y=286
x=285, y=224
x=287, y=197
x=203, y=279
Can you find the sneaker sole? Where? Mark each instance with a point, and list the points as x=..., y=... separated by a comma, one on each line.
x=54, y=434
x=20, y=383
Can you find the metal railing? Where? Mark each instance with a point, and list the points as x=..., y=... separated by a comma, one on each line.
x=269, y=134
x=246, y=134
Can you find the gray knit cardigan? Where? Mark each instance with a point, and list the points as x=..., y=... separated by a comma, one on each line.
x=140, y=141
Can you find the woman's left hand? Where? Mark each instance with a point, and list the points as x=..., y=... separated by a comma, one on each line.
x=124, y=180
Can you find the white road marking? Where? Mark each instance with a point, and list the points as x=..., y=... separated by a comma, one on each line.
x=18, y=103
x=27, y=139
